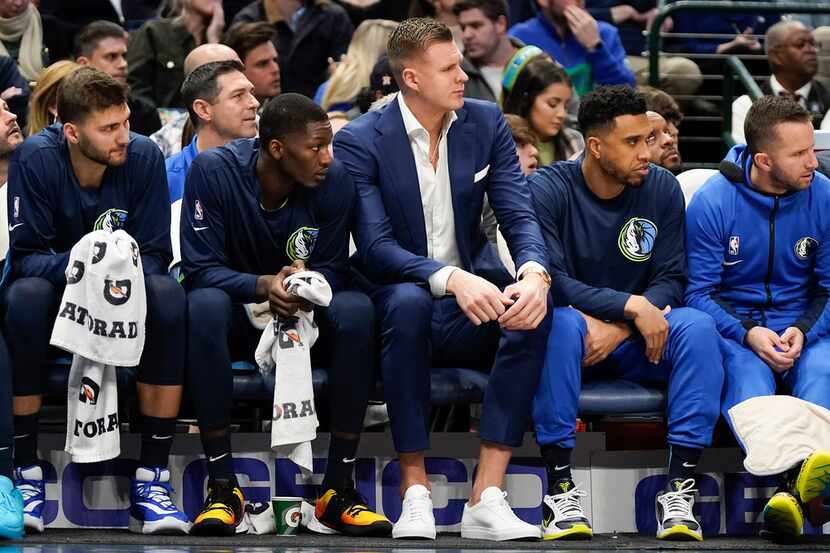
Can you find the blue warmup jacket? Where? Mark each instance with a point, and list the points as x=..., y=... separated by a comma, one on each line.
x=757, y=259
x=228, y=240
x=49, y=211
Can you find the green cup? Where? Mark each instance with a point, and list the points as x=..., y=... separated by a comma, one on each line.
x=286, y=514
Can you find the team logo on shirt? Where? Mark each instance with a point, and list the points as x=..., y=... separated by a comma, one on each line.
x=734, y=245
x=99, y=250
x=117, y=292
x=637, y=238
x=301, y=243
x=111, y=220
x=805, y=247
x=76, y=273
x=89, y=391
x=198, y=212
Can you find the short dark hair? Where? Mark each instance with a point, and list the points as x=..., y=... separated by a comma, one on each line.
x=87, y=40
x=412, y=37
x=661, y=102
x=286, y=114
x=598, y=109
x=492, y=9
x=87, y=90
x=244, y=37
x=203, y=84
x=765, y=114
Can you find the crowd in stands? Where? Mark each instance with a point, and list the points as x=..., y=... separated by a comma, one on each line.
x=489, y=184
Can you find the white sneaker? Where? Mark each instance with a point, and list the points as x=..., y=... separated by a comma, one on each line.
x=493, y=519
x=416, y=520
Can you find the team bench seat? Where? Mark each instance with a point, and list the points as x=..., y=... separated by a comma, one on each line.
x=449, y=386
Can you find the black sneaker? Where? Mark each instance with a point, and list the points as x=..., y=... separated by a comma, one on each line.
x=345, y=510
x=223, y=513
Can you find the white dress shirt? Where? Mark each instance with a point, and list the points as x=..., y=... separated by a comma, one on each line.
x=741, y=106
x=436, y=200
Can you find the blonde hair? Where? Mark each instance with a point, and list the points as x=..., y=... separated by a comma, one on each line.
x=45, y=94
x=352, y=74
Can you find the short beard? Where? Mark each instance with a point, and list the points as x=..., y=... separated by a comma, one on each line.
x=96, y=156
x=618, y=175
x=781, y=181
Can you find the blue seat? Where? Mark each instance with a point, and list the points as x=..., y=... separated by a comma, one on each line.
x=620, y=397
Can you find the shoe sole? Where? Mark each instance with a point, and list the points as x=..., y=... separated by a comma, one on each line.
x=413, y=535
x=575, y=532
x=783, y=516
x=483, y=533
x=211, y=528
x=679, y=532
x=374, y=530
x=159, y=527
x=814, y=477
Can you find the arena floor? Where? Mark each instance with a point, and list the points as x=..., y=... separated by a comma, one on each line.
x=121, y=541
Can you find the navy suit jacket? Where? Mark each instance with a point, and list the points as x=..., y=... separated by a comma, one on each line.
x=390, y=232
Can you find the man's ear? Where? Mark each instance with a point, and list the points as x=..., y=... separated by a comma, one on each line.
x=276, y=148
x=83, y=60
x=762, y=161
x=501, y=24
x=203, y=110
x=70, y=131
x=593, y=147
x=410, y=78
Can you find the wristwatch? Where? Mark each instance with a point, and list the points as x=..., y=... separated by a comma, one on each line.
x=541, y=272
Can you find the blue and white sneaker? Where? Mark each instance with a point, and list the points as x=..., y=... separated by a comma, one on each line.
x=151, y=509
x=29, y=482
x=11, y=510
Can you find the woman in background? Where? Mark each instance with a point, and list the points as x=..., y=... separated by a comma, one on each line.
x=537, y=89
x=368, y=44
x=43, y=109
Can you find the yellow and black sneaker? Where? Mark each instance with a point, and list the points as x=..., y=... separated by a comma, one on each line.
x=813, y=478
x=562, y=514
x=675, y=520
x=783, y=517
x=345, y=510
x=223, y=513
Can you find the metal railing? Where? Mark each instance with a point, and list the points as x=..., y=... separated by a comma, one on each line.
x=655, y=38
x=735, y=68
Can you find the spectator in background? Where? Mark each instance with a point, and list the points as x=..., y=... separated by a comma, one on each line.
x=157, y=50
x=662, y=145
x=382, y=84
x=43, y=110
x=521, y=10
x=253, y=43
x=590, y=51
x=103, y=45
x=441, y=10
x=526, y=141
x=678, y=75
x=79, y=13
x=666, y=107
x=222, y=107
x=487, y=48
x=793, y=60
x=309, y=33
x=538, y=89
x=14, y=90
x=170, y=137
x=352, y=74
x=21, y=36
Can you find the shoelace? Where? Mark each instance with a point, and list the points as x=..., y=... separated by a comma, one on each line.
x=28, y=489
x=567, y=503
x=157, y=493
x=502, y=506
x=678, y=504
x=417, y=508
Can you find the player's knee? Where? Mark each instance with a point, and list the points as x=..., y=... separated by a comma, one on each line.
x=208, y=309
x=352, y=314
x=27, y=296
x=166, y=301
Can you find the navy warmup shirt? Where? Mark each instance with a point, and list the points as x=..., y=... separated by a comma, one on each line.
x=228, y=239
x=49, y=211
x=602, y=251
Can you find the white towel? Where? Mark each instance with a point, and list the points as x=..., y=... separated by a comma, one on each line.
x=286, y=346
x=779, y=432
x=101, y=321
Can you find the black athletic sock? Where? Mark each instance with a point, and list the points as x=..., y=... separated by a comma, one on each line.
x=558, y=464
x=25, y=439
x=7, y=462
x=340, y=467
x=682, y=463
x=156, y=441
x=217, y=446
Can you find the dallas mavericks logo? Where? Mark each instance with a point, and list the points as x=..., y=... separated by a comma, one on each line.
x=117, y=292
x=805, y=247
x=301, y=243
x=637, y=238
x=111, y=220
x=89, y=391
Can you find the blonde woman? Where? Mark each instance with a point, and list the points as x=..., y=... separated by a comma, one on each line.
x=352, y=74
x=43, y=106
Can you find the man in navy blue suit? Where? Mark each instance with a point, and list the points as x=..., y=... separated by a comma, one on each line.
x=422, y=165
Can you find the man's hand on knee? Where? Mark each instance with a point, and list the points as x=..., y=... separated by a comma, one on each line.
x=530, y=307
x=602, y=339
x=479, y=299
x=771, y=348
x=651, y=323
